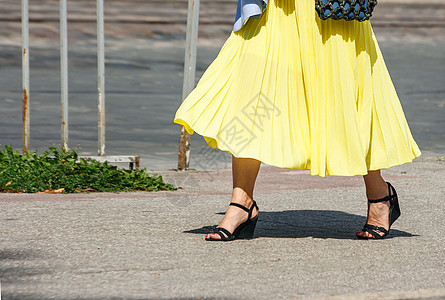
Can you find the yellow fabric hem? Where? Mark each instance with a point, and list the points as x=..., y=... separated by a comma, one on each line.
x=213, y=143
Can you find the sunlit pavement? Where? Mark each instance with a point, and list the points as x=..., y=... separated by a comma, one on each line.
x=150, y=245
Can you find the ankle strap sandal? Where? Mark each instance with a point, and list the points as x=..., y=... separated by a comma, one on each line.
x=243, y=231
x=394, y=214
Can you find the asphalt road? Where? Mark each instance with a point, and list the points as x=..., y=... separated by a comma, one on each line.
x=144, y=65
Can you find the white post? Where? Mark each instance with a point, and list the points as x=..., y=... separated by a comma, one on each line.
x=101, y=77
x=25, y=75
x=64, y=73
x=189, y=77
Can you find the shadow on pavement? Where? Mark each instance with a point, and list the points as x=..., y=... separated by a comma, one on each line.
x=322, y=224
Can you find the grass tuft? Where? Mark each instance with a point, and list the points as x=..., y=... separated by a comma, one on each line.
x=61, y=171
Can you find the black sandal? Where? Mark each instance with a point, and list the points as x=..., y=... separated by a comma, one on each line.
x=394, y=214
x=243, y=231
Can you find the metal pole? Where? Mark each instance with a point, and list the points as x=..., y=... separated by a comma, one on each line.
x=25, y=75
x=101, y=77
x=189, y=77
x=64, y=73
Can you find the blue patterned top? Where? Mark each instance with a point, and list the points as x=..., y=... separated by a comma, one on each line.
x=247, y=9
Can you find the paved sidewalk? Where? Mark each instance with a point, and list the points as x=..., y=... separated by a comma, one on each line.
x=151, y=245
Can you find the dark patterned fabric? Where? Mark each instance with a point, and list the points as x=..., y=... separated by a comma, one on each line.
x=359, y=10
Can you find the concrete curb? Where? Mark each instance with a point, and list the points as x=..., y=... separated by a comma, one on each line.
x=419, y=294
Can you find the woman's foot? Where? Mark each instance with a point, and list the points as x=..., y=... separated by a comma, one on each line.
x=378, y=213
x=235, y=216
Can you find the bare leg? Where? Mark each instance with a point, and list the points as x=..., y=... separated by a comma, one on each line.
x=378, y=213
x=244, y=173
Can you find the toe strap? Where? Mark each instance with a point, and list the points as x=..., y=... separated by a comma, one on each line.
x=220, y=231
x=373, y=230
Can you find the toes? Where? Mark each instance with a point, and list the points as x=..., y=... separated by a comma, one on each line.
x=360, y=233
x=213, y=236
x=363, y=234
x=367, y=234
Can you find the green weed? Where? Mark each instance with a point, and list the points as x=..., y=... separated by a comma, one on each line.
x=63, y=171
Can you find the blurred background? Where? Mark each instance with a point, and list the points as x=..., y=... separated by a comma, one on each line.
x=144, y=55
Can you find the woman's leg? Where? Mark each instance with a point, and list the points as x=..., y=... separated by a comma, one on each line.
x=244, y=173
x=378, y=213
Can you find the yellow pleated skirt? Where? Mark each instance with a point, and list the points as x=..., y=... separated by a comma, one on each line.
x=297, y=92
